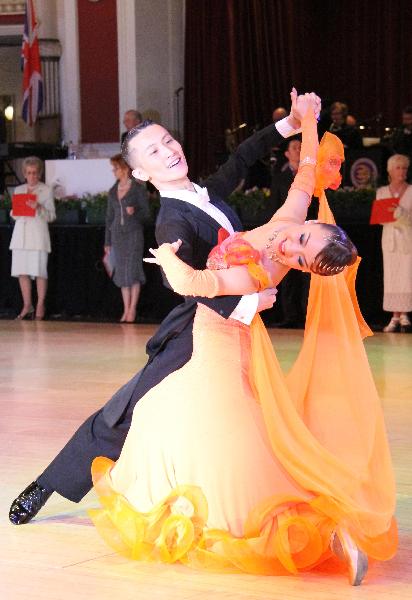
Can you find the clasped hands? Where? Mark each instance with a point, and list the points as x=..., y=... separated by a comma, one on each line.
x=300, y=104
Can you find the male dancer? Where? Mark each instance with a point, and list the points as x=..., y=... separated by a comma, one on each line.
x=195, y=216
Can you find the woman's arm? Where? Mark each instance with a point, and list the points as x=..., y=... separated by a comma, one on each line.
x=191, y=282
x=296, y=205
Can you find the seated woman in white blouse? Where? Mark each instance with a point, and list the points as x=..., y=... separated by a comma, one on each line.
x=30, y=242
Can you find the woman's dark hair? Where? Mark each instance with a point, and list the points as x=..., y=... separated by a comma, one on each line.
x=339, y=253
x=132, y=134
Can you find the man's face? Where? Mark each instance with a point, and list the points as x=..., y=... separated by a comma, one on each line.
x=156, y=156
x=337, y=116
x=130, y=121
x=293, y=152
x=407, y=121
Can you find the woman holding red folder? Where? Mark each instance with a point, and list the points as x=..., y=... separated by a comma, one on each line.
x=397, y=246
x=30, y=242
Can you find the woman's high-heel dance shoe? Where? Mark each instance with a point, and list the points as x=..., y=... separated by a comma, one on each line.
x=405, y=324
x=344, y=547
x=26, y=315
x=392, y=326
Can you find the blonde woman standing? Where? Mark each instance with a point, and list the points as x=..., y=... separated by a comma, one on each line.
x=397, y=246
x=30, y=242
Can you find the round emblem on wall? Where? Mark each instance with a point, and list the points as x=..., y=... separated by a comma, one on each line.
x=363, y=173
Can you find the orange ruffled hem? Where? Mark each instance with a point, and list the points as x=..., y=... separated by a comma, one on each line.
x=283, y=535
x=325, y=425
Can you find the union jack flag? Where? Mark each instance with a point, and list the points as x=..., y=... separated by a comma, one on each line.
x=32, y=78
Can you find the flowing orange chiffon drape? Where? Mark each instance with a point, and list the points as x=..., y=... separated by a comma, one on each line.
x=326, y=423
x=325, y=427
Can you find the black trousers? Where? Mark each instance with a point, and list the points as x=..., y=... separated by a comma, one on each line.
x=69, y=473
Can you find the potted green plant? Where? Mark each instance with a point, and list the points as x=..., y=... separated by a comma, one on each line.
x=350, y=205
x=250, y=203
x=95, y=207
x=68, y=210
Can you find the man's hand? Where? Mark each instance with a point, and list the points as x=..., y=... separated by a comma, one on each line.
x=267, y=299
x=174, y=247
x=300, y=105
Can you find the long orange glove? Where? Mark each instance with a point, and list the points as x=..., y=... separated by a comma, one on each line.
x=305, y=177
x=190, y=282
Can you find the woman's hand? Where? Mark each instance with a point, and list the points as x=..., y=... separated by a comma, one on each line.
x=130, y=210
x=300, y=106
x=31, y=203
x=174, y=247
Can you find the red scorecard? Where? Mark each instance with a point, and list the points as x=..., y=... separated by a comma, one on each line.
x=382, y=211
x=20, y=206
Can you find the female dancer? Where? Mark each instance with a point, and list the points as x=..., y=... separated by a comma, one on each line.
x=229, y=466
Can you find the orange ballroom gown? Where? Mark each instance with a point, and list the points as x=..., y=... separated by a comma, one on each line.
x=232, y=466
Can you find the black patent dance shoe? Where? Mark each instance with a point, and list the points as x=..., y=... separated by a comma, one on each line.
x=28, y=503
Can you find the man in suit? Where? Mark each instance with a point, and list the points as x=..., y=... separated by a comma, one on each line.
x=195, y=216
x=131, y=119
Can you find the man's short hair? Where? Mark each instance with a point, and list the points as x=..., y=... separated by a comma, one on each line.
x=126, y=153
x=341, y=107
x=137, y=115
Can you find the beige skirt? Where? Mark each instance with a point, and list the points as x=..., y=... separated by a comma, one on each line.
x=29, y=262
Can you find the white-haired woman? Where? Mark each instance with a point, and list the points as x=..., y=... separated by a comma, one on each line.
x=397, y=246
x=30, y=242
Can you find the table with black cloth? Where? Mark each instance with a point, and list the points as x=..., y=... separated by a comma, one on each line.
x=78, y=284
x=80, y=288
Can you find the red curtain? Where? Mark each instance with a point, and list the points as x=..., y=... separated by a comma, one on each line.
x=243, y=56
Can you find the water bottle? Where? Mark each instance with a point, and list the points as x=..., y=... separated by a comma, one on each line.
x=71, y=154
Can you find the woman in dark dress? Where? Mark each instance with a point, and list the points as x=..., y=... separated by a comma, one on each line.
x=127, y=212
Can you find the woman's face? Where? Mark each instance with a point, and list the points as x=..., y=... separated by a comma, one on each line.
x=32, y=175
x=398, y=172
x=119, y=172
x=157, y=156
x=298, y=245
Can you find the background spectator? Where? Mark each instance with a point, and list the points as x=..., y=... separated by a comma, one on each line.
x=401, y=140
x=279, y=113
x=127, y=212
x=30, y=242
x=397, y=246
x=132, y=118
x=348, y=134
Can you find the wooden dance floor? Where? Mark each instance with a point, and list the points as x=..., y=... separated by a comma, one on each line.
x=52, y=376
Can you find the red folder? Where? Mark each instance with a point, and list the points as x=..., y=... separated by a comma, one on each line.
x=20, y=206
x=382, y=211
